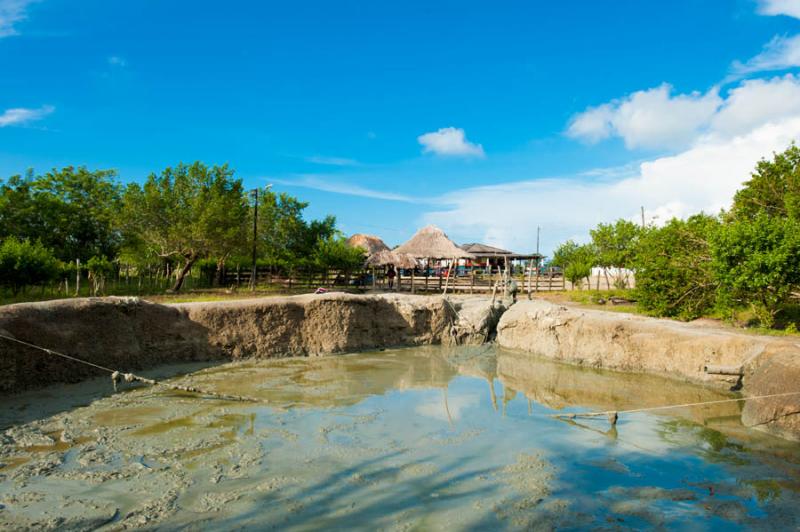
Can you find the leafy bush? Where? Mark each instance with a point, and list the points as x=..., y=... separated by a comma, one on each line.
x=577, y=261
x=757, y=263
x=616, y=250
x=336, y=253
x=99, y=268
x=24, y=263
x=674, y=276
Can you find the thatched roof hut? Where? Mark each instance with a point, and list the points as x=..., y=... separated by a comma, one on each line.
x=386, y=257
x=378, y=253
x=371, y=244
x=431, y=243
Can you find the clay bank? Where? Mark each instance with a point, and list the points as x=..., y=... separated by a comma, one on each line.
x=130, y=334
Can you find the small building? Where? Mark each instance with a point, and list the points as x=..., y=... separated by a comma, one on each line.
x=493, y=258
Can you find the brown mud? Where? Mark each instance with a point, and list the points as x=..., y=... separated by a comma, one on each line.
x=409, y=438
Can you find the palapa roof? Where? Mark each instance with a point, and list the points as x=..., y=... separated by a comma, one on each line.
x=386, y=257
x=370, y=243
x=431, y=243
x=378, y=253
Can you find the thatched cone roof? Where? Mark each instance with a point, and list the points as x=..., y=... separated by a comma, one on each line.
x=384, y=258
x=378, y=253
x=430, y=242
x=371, y=244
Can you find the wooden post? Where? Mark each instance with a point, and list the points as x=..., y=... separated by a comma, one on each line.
x=505, y=277
x=447, y=281
x=530, y=277
x=373, y=277
x=77, y=277
x=412, y=281
x=536, y=289
x=472, y=282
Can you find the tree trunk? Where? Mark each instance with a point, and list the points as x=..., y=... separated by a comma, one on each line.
x=184, y=271
x=220, y=273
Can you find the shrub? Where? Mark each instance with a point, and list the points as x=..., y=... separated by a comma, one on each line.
x=24, y=263
x=757, y=263
x=674, y=276
x=576, y=260
x=99, y=268
x=335, y=253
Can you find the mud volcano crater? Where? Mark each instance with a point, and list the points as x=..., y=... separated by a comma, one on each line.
x=422, y=424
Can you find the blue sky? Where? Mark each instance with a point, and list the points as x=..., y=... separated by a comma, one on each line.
x=487, y=119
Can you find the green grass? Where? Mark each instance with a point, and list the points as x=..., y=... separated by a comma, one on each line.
x=787, y=321
x=159, y=294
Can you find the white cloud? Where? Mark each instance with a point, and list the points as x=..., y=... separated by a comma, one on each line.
x=21, y=116
x=324, y=183
x=652, y=118
x=701, y=178
x=117, y=61
x=757, y=102
x=332, y=161
x=449, y=141
x=789, y=8
x=778, y=54
x=12, y=12
x=655, y=119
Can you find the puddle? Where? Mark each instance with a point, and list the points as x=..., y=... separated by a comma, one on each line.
x=417, y=438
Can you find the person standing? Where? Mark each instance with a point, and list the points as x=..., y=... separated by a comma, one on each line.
x=390, y=275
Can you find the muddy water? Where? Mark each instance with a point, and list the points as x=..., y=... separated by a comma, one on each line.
x=421, y=438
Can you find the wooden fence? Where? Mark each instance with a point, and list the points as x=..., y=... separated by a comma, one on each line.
x=478, y=283
x=470, y=283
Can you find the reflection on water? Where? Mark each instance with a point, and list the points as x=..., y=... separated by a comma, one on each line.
x=415, y=438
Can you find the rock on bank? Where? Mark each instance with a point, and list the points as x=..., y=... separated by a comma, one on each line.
x=130, y=334
x=680, y=350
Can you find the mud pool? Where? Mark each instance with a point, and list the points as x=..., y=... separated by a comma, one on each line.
x=422, y=438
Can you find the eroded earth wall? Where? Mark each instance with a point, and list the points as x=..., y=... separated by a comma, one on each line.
x=129, y=334
x=626, y=342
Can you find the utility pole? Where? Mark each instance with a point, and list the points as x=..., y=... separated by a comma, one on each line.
x=538, y=260
x=642, y=216
x=254, y=273
x=255, y=239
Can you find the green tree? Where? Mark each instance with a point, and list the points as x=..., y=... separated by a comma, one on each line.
x=773, y=189
x=576, y=260
x=674, y=275
x=616, y=250
x=24, y=263
x=99, y=269
x=71, y=211
x=757, y=263
x=187, y=213
x=335, y=253
x=284, y=237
